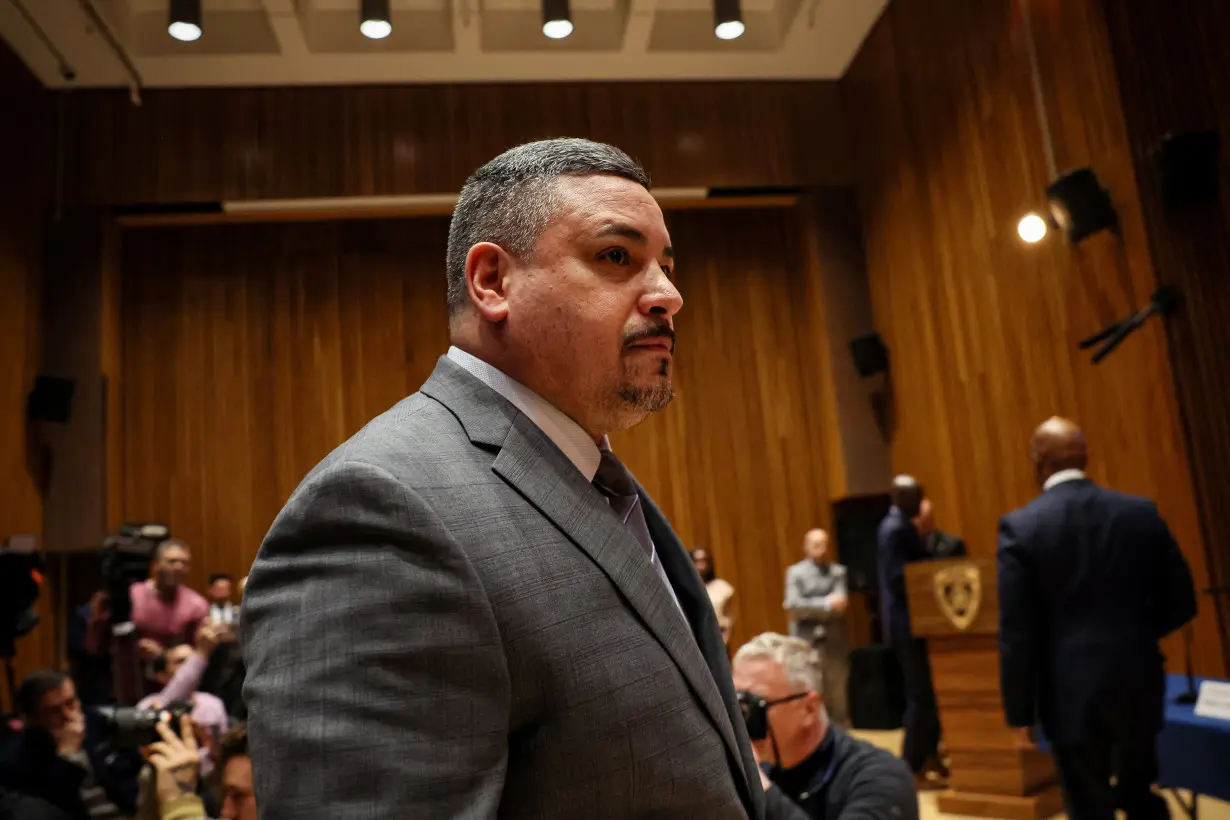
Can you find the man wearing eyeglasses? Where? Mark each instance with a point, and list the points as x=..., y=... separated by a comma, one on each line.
x=809, y=768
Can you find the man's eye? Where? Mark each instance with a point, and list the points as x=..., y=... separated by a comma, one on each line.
x=617, y=255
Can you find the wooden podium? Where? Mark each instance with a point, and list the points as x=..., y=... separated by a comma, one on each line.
x=954, y=604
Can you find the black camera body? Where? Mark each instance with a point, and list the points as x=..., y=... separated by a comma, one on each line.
x=21, y=568
x=125, y=561
x=130, y=727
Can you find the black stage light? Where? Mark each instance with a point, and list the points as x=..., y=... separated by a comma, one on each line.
x=1080, y=205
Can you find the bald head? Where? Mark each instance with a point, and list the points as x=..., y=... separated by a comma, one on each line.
x=907, y=495
x=1058, y=444
x=816, y=545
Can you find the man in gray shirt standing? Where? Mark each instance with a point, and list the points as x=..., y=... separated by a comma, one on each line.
x=816, y=601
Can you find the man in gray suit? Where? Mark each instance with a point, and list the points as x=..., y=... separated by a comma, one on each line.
x=816, y=601
x=470, y=609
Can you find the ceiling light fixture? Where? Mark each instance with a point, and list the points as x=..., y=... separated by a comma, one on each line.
x=185, y=22
x=1032, y=228
x=375, y=20
x=727, y=19
x=556, y=19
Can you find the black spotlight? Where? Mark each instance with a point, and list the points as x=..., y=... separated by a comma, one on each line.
x=1080, y=205
x=556, y=19
x=1188, y=165
x=185, y=22
x=727, y=19
x=375, y=22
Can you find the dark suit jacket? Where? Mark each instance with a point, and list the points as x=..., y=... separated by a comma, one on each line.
x=897, y=543
x=448, y=621
x=1089, y=581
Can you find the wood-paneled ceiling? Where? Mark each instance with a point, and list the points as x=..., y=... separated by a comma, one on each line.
x=314, y=42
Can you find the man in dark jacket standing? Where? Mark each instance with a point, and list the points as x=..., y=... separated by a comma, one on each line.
x=1089, y=581
x=810, y=769
x=897, y=544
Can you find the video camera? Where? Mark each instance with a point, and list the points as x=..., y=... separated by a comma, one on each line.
x=125, y=561
x=129, y=727
x=21, y=573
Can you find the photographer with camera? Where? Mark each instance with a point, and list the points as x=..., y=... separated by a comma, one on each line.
x=175, y=759
x=811, y=769
x=60, y=756
x=179, y=671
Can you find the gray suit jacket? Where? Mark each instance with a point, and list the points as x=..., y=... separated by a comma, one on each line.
x=448, y=621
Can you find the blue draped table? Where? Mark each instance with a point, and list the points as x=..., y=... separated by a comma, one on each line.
x=1193, y=752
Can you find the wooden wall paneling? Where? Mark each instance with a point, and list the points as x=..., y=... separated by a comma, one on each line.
x=25, y=191
x=229, y=144
x=982, y=328
x=1174, y=77
x=250, y=351
x=78, y=250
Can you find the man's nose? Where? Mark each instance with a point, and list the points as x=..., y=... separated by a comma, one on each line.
x=661, y=295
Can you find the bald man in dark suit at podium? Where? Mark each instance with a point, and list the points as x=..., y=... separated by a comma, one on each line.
x=1089, y=581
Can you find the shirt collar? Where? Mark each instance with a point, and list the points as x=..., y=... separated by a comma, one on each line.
x=564, y=433
x=1062, y=477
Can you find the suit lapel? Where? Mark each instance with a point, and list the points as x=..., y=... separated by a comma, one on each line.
x=535, y=467
x=708, y=637
x=539, y=471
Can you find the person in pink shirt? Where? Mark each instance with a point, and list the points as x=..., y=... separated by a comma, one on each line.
x=178, y=671
x=164, y=611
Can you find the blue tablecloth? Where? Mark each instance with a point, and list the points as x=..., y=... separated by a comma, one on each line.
x=1193, y=752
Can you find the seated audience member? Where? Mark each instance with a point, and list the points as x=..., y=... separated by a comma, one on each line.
x=89, y=657
x=810, y=768
x=221, y=610
x=936, y=543
x=59, y=756
x=224, y=678
x=17, y=806
x=721, y=593
x=176, y=763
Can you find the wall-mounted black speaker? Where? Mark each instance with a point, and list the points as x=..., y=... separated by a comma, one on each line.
x=870, y=354
x=1187, y=164
x=50, y=400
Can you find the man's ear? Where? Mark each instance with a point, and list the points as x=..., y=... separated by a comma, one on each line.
x=487, y=266
x=814, y=703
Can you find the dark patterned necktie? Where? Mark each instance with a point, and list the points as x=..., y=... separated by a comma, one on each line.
x=615, y=482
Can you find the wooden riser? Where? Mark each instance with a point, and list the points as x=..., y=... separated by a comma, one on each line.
x=1043, y=804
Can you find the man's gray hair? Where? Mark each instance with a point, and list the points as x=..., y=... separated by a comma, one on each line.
x=796, y=656
x=509, y=200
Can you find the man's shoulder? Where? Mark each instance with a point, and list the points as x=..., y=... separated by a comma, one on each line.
x=859, y=758
x=194, y=600
x=414, y=442
x=888, y=525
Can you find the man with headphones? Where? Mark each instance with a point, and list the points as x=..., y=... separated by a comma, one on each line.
x=811, y=769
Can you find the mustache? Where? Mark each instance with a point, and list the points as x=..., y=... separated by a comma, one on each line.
x=653, y=332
